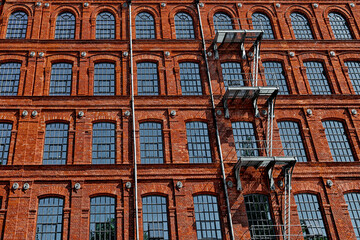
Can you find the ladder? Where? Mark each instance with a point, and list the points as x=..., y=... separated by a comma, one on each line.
x=288, y=170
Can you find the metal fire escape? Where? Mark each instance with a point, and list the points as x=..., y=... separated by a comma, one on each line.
x=251, y=90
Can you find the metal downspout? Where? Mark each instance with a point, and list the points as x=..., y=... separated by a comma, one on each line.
x=216, y=126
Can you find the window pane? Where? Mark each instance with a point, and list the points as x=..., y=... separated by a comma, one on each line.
x=9, y=79
x=105, y=26
x=61, y=78
x=102, y=218
x=55, y=147
x=310, y=216
x=338, y=141
x=244, y=137
x=301, y=26
x=275, y=76
x=231, y=72
x=207, y=219
x=151, y=146
x=155, y=218
x=5, y=137
x=190, y=79
x=147, y=79
x=65, y=26
x=17, y=25
x=354, y=74
x=103, y=143
x=353, y=202
x=262, y=22
x=291, y=140
x=317, y=79
x=50, y=218
x=222, y=22
x=104, y=79
x=184, y=26
x=198, y=142
x=145, y=26
x=339, y=26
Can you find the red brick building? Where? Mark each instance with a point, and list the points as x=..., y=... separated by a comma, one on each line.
x=154, y=120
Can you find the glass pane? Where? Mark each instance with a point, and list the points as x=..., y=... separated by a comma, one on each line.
x=317, y=79
x=354, y=74
x=147, y=79
x=198, y=142
x=231, y=72
x=65, y=26
x=301, y=27
x=151, y=146
x=102, y=218
x=155, y=218
x=222, y=21
x=17, y=25
x=9, y=79
x=244, y=137
x=353, y=202
x=190, y=79
x=184, y=26
x=5, y=137
x=55, y=147
x=105, y=26
x=104, y=79
x=145, y=26
x=275, y=76
x=103, y=143
x=339, y=26
x=61, y=78
x=262, y=22
x=291, y=140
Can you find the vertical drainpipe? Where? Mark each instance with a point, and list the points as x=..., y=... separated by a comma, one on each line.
x=216, y=125
x=133, y=125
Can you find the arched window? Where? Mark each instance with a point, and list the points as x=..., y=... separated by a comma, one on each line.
x=102, y=218
x=291, y=140
x=198, y=142
x=145, y=26
x=105, y=26
x=61, y=78
x=301, y=26
x=65, y=26
x=103, y=143
x=9, y=79
x=56, y=143
x=275, y=76
x=262, y=22
x=17, y=25
x=190, y=79
x=184, y=26
x=151, y=143
x=104, y=79
x=5, y=137
x=339, y=26
x=231, y=72
x=353, y=203
x=354, y=74
x=155, y=218
x=222, y=21
x=147, y=78
x=317, y=78
x=244, y=137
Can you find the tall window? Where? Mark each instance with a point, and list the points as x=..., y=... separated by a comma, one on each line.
x=105, y=26
x=198, y=142
x=291, y=140
x=338, y=141
x=104, y=79
x=317, y=79
x=231, y=72
x=262, y=22
x=61, y=78
x=102, y=218
x=339, y=26
x=184, y=26
x=275, y=76
x=50, y=218
x=9, y=79
x=222, y=21
x=145, y=26
x=353, y=202
x=301, y=27
x=5, y=137
x=65, y=26
x=147, y=78
x=103, y=143
x=354, y=74
x=190, y=79
x=259, y=216
x=310, y=216
x=151, y=143
x=207, y=219
x=155, y=218
x=56, y=140
x=17, y=25
x=244, y=136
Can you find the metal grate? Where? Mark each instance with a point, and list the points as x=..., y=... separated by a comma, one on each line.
x=155, y=218
x=105, y=26
x=145, y=26
x=317, y=79
x=258, y=213
x=190, y=79
x=103, y=143
x=231, y=72
x=198, y=142
x=244, y=137
x=184, y=26
x=354, y=74
x=353, y=202
x=56, y=140
x=61, y=78
x=17, y=25
x=291, y=140
x=222, y=21
x=151, y=143
x=9, y=79
x=102, y=218
x=65, y=26
x=104, y=79
x=310, y=216
x=207, y=219
x=50, y=218
x=147, y=78
x=262, y=22
x=339, y=26
x=338, y=141
x=301, y=26
x=275, y=76
x=5, y=137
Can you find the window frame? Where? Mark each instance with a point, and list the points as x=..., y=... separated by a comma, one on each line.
x=222, y=25
x=24, y=27
x=8, y=142
x=112, y=204
x=110, y=29
x=283, y=73
x=334, y=33
x=269, y=28
x=106, y=126
x=69, y=31
x=160, y=150
x=189, y=27
x=14, y=68
x=356, y=228
x=140, y=32
x=64, y=78
x=326, y=79
x=195, y=153
x=298, y=35
x=63, y=145
x=191, y=80
x=101, y=78
x=355, y=87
